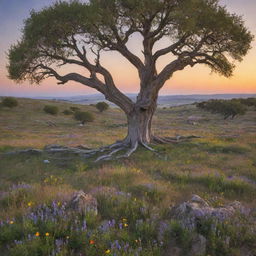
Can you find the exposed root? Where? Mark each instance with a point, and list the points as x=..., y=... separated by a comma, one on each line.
x=130, y=151
x=174, y=140
x=30, y=151
x=113, y=149
x=147, y=147
x=109, y=156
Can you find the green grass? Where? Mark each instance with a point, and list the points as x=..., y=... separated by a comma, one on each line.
x=220, y=167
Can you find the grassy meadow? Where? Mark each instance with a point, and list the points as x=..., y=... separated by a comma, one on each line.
x=134, y=195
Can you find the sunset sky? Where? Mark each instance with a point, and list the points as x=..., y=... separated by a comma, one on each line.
x=197, y=80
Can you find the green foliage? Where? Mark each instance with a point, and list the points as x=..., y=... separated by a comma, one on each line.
x=9, y=102
x=84, y=117
x=102, y=106
x=67, y=112
x=50, y=109
x=248, y=102
x=46, y=33
x=121, y=206
x=228, y=108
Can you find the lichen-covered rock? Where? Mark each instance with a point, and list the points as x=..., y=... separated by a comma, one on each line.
x=190, y=212
x=83, y=203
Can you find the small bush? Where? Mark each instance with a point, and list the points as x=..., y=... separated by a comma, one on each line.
x=50, y=109
x=248, y=102
x=102, y=106
x=67, y=112
x=9, y=102
x=74, y=109
x=228, y=108
x=84, y=117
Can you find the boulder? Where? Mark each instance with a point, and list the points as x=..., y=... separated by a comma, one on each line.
x=196, y=209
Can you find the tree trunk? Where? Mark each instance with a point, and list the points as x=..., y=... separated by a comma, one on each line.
x=139, y=124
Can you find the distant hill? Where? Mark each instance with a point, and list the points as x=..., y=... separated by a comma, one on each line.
x=163, y=100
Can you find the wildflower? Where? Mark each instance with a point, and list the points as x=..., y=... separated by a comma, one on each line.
x=29, y=204
x=135, y=199
x=124, y=220
x=126, y=225
x=59, y=203
x=11, y=222
x=92, y=242
x=37, y=234
x=47, y=234
x=107, y=251
x=67, y=237
x=136, y=241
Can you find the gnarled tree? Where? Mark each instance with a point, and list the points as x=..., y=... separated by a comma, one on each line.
x=195, y=32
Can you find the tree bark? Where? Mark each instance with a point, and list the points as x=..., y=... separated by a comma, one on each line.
x=140, y=120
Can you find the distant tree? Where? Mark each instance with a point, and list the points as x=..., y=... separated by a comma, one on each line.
x=102, y=106
x=248, y=102
x=9, y=102
x=50, y=109
x=194, y=31
x=228, y=108
x=84, y=117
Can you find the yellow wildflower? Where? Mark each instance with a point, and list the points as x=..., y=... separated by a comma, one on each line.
x=125, y=224
x=124, y=220
x=11, y=222
x=37, y=234
x=107, y=251
x=29, y=204
x=47, y=234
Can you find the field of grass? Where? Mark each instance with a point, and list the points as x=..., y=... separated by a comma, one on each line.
x=134, y=195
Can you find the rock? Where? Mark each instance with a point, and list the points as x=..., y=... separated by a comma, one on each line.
x=83, y=203
x=46, y=161
x=197, y=199
x=198, y=245
x=190, y=212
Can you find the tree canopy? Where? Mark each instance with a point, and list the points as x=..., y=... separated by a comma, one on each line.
x=197, y=31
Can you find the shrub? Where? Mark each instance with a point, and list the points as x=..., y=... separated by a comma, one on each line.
x=9, y=102
x=228, y=108
x=67, y=112
x=102, y=106
x=248, y=102
x=84, y=117
x=50, y=109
